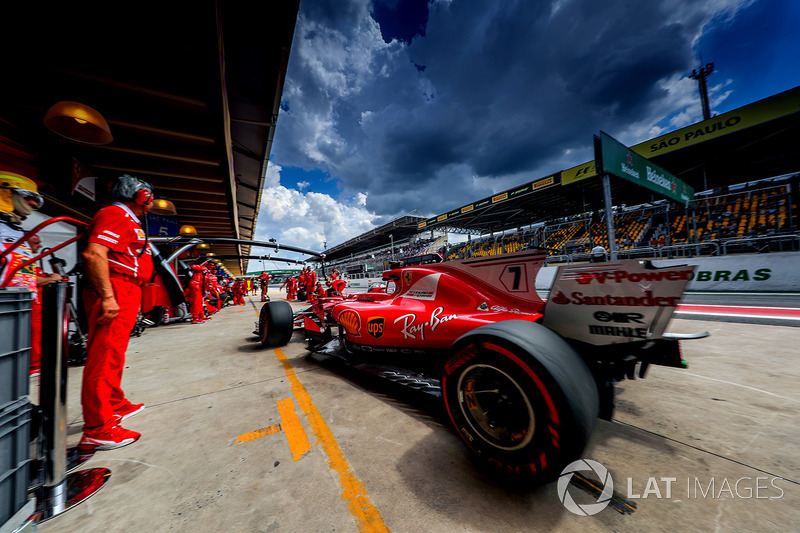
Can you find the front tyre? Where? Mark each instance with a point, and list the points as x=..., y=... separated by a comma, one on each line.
x=275, y=324
x=520, y=397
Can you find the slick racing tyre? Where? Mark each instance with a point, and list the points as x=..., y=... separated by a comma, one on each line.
x=275, y=324
x=520, y=397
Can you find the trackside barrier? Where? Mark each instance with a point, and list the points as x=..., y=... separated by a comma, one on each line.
x=783, y=242
x=686, y=250
x=559, y=259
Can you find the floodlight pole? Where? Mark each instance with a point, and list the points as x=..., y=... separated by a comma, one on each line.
x=700, y=74
x=612, y=244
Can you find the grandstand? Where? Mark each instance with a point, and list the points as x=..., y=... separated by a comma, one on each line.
x=747, y=218
x=745, y=162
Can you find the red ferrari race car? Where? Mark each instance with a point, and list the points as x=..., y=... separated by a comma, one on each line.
x=522, y=380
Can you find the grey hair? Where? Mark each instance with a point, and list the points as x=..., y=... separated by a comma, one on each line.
x=125, y=187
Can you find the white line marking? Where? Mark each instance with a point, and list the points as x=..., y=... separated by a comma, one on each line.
x=146, y=464
x=732, y=383
x=736, y=315
x=723, y=306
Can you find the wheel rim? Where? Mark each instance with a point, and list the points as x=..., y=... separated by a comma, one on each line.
x=264, y=328
x=496, y=407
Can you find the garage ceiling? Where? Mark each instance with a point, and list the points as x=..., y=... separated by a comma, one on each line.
x=190, y=90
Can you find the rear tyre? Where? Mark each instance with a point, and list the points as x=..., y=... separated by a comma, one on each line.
x=275, y=324
x=520, y=397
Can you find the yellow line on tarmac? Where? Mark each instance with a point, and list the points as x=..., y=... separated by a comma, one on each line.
x=257, y=434
x=367, y=516
x=295, y=434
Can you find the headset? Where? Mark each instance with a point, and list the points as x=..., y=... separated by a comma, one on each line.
x=143, y=197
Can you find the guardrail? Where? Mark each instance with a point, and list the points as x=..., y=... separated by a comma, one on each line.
x=784, y=242
x=686, y=250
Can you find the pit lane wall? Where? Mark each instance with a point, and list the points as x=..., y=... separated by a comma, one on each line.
x=770, y=272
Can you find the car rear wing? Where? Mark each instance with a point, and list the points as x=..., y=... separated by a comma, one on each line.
x=615, y=302
x=511, y=276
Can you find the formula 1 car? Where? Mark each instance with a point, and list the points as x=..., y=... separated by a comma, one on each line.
x=523, y=380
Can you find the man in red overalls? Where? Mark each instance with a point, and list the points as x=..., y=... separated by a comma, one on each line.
x=311, y=281
x=320, y=291
x=291, y=288
x=239, y=288
x=264, y=281
x=301, y=279
x=338, y=286
x=118, y=261
x=214, y=302
x=195, y=294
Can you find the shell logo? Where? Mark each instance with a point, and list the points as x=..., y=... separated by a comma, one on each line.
x=351, y=322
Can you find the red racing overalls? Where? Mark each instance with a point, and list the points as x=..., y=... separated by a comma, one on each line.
x=118, y=229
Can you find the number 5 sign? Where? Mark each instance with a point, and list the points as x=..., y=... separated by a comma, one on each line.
x=514, y=278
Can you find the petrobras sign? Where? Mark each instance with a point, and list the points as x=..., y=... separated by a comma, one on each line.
x=620, y=301
x=618, y=159
x=770, y=272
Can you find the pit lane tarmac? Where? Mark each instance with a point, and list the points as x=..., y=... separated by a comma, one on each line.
x=236, y=437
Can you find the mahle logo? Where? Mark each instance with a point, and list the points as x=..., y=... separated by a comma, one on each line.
x=586, y=509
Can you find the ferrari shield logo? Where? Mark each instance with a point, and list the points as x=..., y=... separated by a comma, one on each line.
x=407, y=277
x=375, y=326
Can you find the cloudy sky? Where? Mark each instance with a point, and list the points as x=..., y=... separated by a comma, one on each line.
x=399, y=106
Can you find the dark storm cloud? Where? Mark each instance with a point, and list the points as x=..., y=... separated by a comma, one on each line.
x=400, y=19
x=510, y=91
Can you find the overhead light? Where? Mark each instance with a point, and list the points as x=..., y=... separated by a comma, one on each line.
x=162, y=206
x=78, y=122
x=203, y=246
x=187, y=231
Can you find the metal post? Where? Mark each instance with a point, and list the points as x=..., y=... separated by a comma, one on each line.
x=60, y=492
x=669, y=226
x=612, y=244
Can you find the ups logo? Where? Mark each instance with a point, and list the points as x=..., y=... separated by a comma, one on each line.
x=375, y=326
